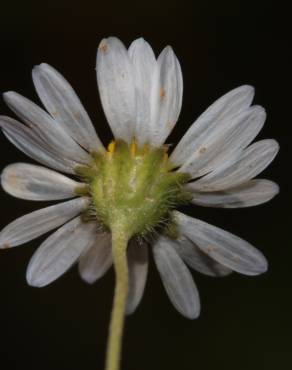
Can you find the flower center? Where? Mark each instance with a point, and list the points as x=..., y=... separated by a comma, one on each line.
x=134, y=188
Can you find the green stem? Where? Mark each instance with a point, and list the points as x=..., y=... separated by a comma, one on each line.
x=119, y=251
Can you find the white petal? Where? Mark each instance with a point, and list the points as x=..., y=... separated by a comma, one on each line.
x=59, y=252
x=33, y=146
x=224, y=141
x=96, y=261
x=176, y=278
x=198, y=260
x=48, y=129
x=234, y=143
x=27, y=181
x=138, y=266
x=253, y=161
x=35, y=224
x=166, y=97
x=252, y=193
x=63, y=104
x=222, y=246
x=223, y=110
x=116, y=87
x=144, y=64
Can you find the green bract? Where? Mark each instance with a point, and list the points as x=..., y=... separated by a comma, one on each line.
x=134, y=188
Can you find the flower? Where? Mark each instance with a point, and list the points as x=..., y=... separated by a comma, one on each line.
x=134, y=185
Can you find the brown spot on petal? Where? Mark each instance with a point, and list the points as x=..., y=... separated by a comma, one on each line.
x=13, y=179
x=55, y=114
x=103, y=47
x=202, y=150
x=77, y=115
x=210, y=248
x=162, y=94
x=5, y=246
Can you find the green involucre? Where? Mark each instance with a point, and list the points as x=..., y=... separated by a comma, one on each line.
x=134, y=188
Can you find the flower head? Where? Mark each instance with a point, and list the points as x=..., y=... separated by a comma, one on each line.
x=134, y=185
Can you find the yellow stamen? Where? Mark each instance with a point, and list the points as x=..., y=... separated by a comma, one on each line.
x=146, y=148
x=165, y=154
x=133, y=147
x=111, y=148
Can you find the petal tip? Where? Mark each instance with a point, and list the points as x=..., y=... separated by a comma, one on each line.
x=7, y=95
x=44, y=65
x=249, y=87
x=276, y=144
x=264, y=266
x=34, y=278
x=273, y=187
x=130, y=310
x=276, y=189
x=88, y=279
x=259, y=109
x=195, y=314
x=34, y=281
x=246, y=90
x=103, y=46
x=140, y=40
x=259, y=268
x=5, y=245
x=168, y=50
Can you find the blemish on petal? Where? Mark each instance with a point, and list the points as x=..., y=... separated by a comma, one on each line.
x=210, y=249
x=5, y=246
x=55, y=113
x=77, y=115
x=103, y=47
x=202, y=150
x=162, y=94
x=12, y=179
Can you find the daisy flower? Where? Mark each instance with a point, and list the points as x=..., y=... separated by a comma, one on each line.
x=124, y=198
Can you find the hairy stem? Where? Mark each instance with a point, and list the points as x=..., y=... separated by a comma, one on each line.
x=119, y=251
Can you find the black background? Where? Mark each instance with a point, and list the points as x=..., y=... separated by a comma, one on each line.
x=245, y=322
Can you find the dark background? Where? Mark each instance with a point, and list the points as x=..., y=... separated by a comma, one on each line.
x=245, y=322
